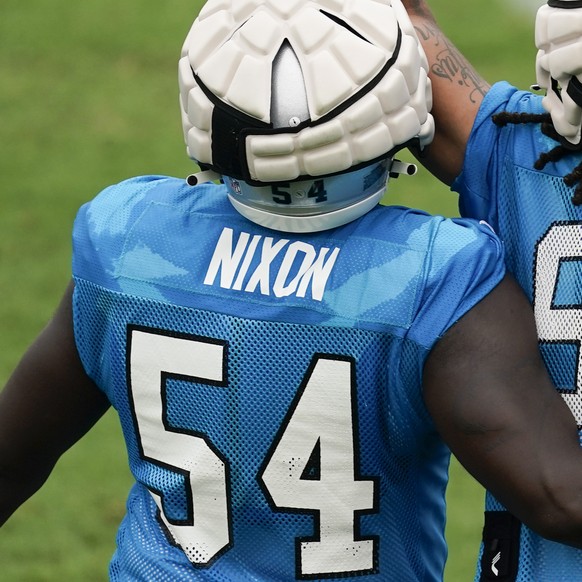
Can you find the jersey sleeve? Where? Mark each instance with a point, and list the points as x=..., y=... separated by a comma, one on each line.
x=99, y=237
x=466, y=264
x=101, y=227
x=486, y=151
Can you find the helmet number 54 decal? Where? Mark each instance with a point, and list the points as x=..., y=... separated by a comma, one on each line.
x=284, y=193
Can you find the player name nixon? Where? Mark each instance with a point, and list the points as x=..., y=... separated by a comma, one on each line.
x=279, y=267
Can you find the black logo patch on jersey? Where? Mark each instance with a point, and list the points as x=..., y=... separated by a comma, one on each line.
x=501, y=536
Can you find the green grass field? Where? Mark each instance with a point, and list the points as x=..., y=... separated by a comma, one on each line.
x=89, y=97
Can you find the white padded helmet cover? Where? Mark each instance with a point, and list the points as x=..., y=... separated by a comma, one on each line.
x=559, y=66
x=365, y=81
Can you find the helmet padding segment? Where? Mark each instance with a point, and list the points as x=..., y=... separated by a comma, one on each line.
x=300, y=106
x=559, y=68
x=364, y=76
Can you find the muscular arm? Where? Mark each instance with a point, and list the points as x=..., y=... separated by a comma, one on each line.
x=458, y=91
x=494, y=404
x=47, y=405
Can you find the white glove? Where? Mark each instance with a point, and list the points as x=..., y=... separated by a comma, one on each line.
x=558, y=37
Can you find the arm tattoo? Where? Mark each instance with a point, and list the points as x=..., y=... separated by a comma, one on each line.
x=448, y=63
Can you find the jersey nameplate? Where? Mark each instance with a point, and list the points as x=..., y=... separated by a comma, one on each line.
x=270, y=266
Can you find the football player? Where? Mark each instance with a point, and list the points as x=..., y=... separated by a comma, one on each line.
x=289, y=360
x=514, y=158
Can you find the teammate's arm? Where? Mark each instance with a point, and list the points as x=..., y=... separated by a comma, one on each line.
x=493, y=402
x=458, y=91
x=48, y=404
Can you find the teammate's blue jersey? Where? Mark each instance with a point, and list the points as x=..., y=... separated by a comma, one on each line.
x=269, y=385
x=532, y=212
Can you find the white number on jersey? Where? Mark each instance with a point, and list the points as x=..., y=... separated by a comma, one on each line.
x=152, y=357
x=312, y=465
x=319, y=434
x=559, y=324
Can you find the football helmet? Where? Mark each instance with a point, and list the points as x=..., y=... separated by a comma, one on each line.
x=558, y=38
x=300, y=105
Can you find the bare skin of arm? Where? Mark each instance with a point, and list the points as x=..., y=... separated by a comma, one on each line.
x=47, y=405
x=458, y=91
x=493, y=402
x=485, y=386
x=485, y=429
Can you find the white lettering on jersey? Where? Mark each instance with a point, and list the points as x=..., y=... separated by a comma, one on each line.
x=302, y=265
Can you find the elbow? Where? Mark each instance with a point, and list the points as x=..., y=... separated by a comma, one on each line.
x=558, y=517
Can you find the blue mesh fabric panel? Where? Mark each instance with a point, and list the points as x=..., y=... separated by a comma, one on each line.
x=542, y=231
x=267, y=362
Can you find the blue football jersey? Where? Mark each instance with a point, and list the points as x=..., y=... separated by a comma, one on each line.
x=269, y=385
x=532, y=212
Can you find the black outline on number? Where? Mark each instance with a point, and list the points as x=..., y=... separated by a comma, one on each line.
x=189, y=521
x=316, y=514
x=576, y=390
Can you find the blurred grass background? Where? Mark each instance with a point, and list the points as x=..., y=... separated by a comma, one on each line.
x=88, y=97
